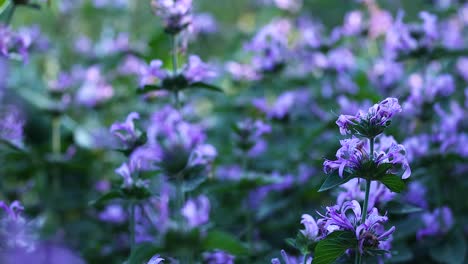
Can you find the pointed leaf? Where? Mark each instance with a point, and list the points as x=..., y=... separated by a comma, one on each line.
x=143, y=252
x=225, y=242
x=115, y=194
x=393, y=182
x=206, y=86
x=333, y=246
x=149, y=88
x=334, y=180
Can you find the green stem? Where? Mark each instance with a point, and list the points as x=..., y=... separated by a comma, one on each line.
x=132, y=226
x=180, y=200
x=305, y=258
x=249, y=218
x=56, y=137
x=174, y=68
x=358, y=258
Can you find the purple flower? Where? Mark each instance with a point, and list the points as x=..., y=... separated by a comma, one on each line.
x=197, y=71
x=398, y=37
x=126, y=131
x=197, y=211
x=353, y=153
x=11, y=126
x=113, y=214
x=176, y=144
x=437, y=223
x=353, y=23
x=386, y=73
x=248, y=136
x=371, y=234
x=176, y=14
x=424, y=91
x=290, y=5
x=417, y=146
x=155, y=260
x=311, y=229
x=44, y=253
x=95, y=89
x=242, y=72
x=15, y=231
x=373, y=122
x=416, y=194
x=270, y=46
x=290, y=259
x=341, y=59
x=218, y=257
x=462, y=68
x=352, y=190
x=431, y=31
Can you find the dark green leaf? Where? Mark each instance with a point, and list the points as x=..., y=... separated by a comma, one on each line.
x=394, y=207
x=393, y=182
x=206, y=86
x=334, y=180
x=142, y=253
x=333, y=246
x=149, y=88
x=224, y=241
x=115, y=194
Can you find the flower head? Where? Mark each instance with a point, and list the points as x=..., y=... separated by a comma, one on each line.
x=437, y=223
x=372, y=123
x=197, y=211
x=11, y=126
x=218, y=257
x=126, y=131
x=176, y=14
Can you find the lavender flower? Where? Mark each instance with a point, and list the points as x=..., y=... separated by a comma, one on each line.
x=353, y=155
x=426, y=90
x=242, y=72
x=352, y=190
x=176, y=144
x=248, y=136
x=113, y=214
x=95, y=89
x=194, y=71
x=176, y=14
x=270, y=46
x=11, y=126
x=372, y=123
x=370, y=235
x=416, y=194
x=290, y=259
x=218, y=257
x=311, y=230
x=437, y=223
x=15, y=231
x=126, y=131
x=284, y=105
x=156, y=259
x=197, y=211
x=353, y=23
x=386, y=73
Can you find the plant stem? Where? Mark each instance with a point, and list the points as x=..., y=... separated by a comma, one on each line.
x=132, y=226
x=174, y=68
x=56, y=137
x=358, y=258
x=249, y=218
x=180, y=200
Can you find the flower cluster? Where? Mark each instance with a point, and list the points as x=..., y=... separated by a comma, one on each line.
x=372, y=123
x=354, y=158
x=218, y=257
x=248, y=136
x=11, y=126
x=175, y=13
x=197, y=211
x=437, y=223
x=15, y=231
x=194, y=71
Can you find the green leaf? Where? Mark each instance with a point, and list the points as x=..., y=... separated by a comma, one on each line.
x=115, y=194
x=333, y=246
x=143, y=252
x=451, y=250
x=394, y=207
x=393, y=182
x=334, y=180
x=149, y=88
x=206, y=86
x=4, y=5
x=224, y=241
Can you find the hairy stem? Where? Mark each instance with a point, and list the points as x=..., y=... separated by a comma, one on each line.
x=56, y=137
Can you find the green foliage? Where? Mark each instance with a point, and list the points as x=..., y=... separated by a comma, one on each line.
x=333, y=246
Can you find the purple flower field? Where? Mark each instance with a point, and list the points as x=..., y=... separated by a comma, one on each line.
x=233, y=131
